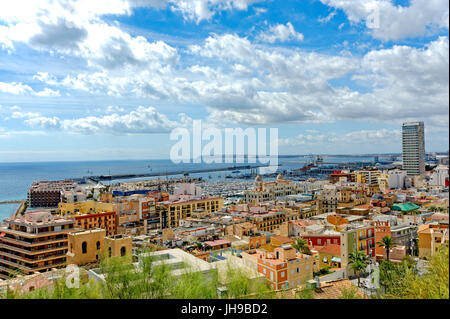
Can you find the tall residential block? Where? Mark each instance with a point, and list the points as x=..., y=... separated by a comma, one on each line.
x=413, y=148
x=35, y=242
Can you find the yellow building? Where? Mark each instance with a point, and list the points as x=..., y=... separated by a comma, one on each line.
x=172, y=211
x=383, y=182
x=119, y=245
x=87, y=246
x=431, y=239
x=86, y=207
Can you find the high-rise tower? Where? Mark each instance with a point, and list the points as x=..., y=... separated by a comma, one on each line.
x=413, y=148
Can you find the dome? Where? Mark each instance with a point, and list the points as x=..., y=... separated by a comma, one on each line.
x=258, y=179
x=279, y=177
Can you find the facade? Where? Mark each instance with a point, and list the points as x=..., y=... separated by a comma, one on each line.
x=86, y=246
x=283, y=268
x=35, y=242
x=104, y=220
x=439, y=176
x=172, y=211
x=330, y=256
x=268, y=191
x=327, y=201
x=323, y=239
x=84, y=207
x=431, y=238
x=398, y=179
x=359, y=237
x=413, y=143
x=368, y=176
x=383, y=182
x=47, y=193
x=119, y=245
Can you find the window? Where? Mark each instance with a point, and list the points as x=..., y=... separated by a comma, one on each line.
x=98, y=245
x=84, y=247
x=123, y=251
x=298, y=269
x=110, y=253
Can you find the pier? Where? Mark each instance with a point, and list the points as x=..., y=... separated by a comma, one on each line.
x=185, y=173
x=12, y=201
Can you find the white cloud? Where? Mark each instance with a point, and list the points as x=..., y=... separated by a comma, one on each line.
x=327, y=18
x=20, y=115
x=281, y=33
x=143, y=120
x=19, y=89
x=14, y=88
x=421, y=17
x=48, y=92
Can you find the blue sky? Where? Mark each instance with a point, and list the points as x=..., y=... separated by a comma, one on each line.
x=94, y=80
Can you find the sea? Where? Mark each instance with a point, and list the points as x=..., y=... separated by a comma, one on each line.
x=16, y=178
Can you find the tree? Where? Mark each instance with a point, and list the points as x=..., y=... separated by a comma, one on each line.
x=387, y=243
x=434, y=284
x=358, y=261
x=301, y=245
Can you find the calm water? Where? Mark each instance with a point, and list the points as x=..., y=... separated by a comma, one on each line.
x=16, y=178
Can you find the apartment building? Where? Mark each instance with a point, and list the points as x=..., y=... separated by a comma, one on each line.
x=359, y=237
x=368, y=176
x=47, y=193
x=283, y=268
x=84, y=207
x=182, y=206
x=104, y=220
x=35, y=242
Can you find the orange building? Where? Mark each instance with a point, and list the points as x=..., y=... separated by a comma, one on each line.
x=104, y=220
x=284, y=268
x=382, y=229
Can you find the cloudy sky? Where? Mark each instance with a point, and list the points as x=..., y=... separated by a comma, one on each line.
x=110, y=79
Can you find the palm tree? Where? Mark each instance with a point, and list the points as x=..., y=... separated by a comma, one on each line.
x=387, y=243
x=301, y=245
x=358, y=261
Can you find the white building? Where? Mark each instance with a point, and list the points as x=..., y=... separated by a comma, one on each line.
x=397, y=179
x=187, y=189
x=439, y=175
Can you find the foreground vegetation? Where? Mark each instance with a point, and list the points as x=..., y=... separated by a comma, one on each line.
x=156, y=281
x=153, y=281
x=401, y=281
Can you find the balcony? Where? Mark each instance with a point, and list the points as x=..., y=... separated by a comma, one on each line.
x=32, y=252
x=33, y=260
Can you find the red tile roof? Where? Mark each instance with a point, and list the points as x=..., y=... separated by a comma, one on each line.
x=332, y=249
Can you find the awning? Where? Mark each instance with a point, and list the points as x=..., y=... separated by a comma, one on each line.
x=336, y=259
